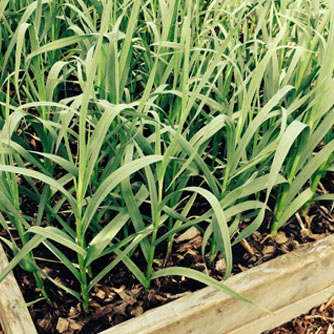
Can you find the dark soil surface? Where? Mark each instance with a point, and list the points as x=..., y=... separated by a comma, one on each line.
x=119, y=296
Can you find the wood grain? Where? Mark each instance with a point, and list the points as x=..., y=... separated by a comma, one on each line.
x=14, y=316
x=288, y=285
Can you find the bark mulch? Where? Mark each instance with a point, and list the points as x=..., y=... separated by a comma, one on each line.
x=119, y=296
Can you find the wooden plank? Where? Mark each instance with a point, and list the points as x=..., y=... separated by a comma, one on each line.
x=14, y=316
x=285, y=314
x=297, y=280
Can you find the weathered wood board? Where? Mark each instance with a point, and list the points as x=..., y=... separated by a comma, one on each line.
x=14, y=315
x=268, y=322
x=288, y=285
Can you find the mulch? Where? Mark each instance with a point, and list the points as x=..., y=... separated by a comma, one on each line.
x=119, y=296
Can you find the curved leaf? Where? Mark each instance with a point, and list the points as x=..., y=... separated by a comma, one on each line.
x=203, y=278
x=112, y=181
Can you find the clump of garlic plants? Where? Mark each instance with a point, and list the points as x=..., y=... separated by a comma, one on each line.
x=118, y=117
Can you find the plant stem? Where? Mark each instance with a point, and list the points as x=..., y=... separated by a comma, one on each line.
x=83, y=283
x=154, y=238
x=40, y=285
x=213, y=250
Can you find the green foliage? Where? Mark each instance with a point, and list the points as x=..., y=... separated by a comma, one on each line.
x=117, y=118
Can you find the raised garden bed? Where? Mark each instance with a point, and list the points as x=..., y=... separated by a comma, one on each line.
x=125, y=124
x=288, y=285
x=318, y=320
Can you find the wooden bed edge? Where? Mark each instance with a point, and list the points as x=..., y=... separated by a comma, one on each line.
x=14, y=315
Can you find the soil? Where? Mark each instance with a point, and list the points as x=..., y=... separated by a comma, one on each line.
x=119, y=296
